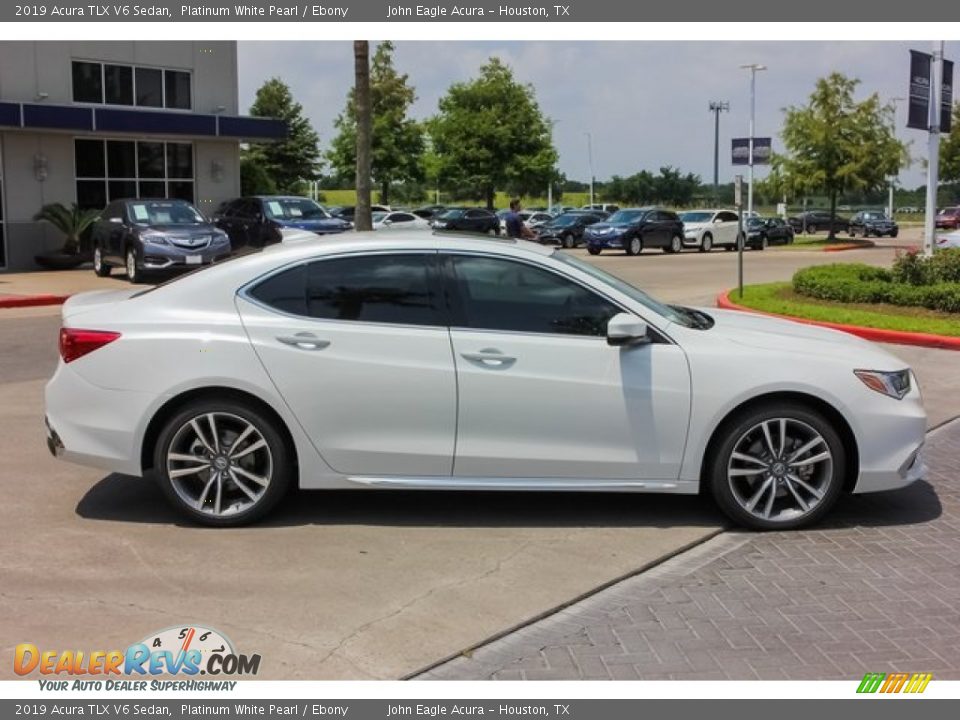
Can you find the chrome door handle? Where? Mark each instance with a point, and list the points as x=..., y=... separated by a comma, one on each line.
x=490, y=357
x=304, y=341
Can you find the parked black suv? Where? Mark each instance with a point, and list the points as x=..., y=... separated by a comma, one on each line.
x=567, y=229
x=467, y=219
x=872, y=222
x=255, y=222
x=146, y=236
x=762, y=232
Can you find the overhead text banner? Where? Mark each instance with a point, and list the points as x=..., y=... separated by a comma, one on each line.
x=485, y=12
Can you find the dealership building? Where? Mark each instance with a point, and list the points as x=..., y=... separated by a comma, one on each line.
x=91, y=122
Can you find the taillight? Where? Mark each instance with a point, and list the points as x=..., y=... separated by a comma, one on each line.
x=77, y=343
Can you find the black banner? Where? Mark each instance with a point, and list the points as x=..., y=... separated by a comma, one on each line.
x=946, y=97
x=918, y=115
x=740, y=155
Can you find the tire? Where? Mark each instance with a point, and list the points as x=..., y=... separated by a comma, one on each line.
x=634, y=246
x=568, y=241
x=593, y=250
x=894, y=233
x=728, y=248
x=194, y=493
x=706, y=244
x=812, y=229
x=676, y=245
x=853, y=232
x=764, y=243
x=100, y=268
x=132, y=264
x=743, y=434
x=492, y=232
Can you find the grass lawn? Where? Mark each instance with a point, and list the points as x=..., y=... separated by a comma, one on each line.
x=780, y=298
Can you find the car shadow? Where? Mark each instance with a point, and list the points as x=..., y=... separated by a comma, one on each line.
x=121, y=498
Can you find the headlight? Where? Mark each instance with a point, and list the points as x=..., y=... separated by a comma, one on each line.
x=220, y=237
x=891, y=384
x=154, y=238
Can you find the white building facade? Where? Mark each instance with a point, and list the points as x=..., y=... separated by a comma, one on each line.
x=92, y=122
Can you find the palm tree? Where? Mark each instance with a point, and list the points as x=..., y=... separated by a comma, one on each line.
x=72, y=222
x=361, y=61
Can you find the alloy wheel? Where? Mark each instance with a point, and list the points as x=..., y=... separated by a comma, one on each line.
x=780, y=470
x=131, y=265
x=219, y=464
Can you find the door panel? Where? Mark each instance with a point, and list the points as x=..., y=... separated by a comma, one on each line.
x=560, y=407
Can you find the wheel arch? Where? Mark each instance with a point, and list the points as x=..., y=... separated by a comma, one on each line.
x=178, y=402
x=847, y=436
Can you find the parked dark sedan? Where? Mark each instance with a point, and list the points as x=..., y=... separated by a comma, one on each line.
x=762, y=232
x=255, y=222
x=872, y=222
x=567, y=229
x=634, y=229
x=146, y=236
x=813, y=221
x=346, y=212
x=428, y=212
x=467, y=219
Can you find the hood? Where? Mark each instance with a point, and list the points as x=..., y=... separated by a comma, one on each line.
x=180, y=230
x=787, y=336
x=609, y=226
x=696, y=226
x=313, y=223
x=93, y=299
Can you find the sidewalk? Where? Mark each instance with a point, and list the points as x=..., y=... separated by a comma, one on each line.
x=872, y=590
x=56, y=283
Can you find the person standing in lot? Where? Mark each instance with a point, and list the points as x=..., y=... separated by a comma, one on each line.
x=515, y=225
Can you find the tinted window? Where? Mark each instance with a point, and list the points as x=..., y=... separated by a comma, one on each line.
x=505, y=295
x=286, y=291
x=149, y=87
x=88, y=155
x=179, y=160
x=178, y=89
x=475, y=214
x=87, y=82
x=727, y=217
x=121, y=160
x=402, y=217
x=118, y=84
x=376, y=288
x=150, y=159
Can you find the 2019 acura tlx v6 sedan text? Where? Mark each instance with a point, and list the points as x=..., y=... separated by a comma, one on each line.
x=435, y=362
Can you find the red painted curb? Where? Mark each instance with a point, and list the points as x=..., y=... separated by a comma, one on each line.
x=849, y=246
x=897, y=337
x=19, y=301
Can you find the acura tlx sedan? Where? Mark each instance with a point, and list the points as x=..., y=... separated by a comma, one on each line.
x=432, y=362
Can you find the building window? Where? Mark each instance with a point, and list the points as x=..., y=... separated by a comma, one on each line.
x=109, y=84
x=108, y=170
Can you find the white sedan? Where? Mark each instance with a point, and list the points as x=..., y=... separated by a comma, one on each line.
x=429, y=362
x=398, y=220
x=707, y=229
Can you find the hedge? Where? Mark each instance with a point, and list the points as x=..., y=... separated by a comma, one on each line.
x=858, y=283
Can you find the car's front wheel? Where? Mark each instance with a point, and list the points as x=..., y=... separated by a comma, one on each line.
x=222, y=463
x=134, y=273
x=593, y=250
x=777, y=467
x=706, y=245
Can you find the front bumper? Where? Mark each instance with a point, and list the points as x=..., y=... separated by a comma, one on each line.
x=604, y=241
x=163, y=257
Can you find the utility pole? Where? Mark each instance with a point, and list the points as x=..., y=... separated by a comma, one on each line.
x=893, y=178
x=933, y=180
x=717, y=107
x=754, y=68
x=590, y=159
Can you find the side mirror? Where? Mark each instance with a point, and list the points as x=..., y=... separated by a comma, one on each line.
x=626, y=329
x=718, y=220
x=388, y=221
x=259, y=217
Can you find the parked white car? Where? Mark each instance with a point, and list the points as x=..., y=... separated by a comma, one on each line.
x=707, y=229
x=398, y=220
x=417, y=361
x=949, y=240
x=531, y=218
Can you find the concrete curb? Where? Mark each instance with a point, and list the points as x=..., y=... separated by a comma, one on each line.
x=897, y=337
x=20, y=301
x=862, y=245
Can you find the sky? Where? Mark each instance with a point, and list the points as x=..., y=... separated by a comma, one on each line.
x=644, y=104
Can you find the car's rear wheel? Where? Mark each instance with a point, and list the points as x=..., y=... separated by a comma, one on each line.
x=853, y=233
x=593, y=250
x=894, y=233
x=99, y=266
x=706, y=245
x=634, y=246
x=492, y=232
x=777, y=467
x=812, y=229
x=222, y=463
x=568, y=241
x=675, y=246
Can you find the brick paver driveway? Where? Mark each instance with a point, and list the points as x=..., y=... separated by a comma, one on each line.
x=875, y=589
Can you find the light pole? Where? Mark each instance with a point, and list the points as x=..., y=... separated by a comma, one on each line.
x=754, y=68
x=590, y=159
x=933, y=158
x=717, y=107
x=893, y=178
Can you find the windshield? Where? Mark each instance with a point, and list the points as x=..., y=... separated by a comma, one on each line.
x=625, y=216
x=565, y=220
x=755, y=221
x=293, y=209
x=379, y=216
x=665, y=311
x=696, y=217
x=159, y=212
x=451, y=214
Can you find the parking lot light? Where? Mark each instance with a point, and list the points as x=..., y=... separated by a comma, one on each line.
x=754, y=68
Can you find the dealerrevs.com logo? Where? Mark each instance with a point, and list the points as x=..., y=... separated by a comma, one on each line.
x=178, y=651
x=894, y=683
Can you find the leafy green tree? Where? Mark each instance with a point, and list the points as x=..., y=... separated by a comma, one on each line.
x=491, y=134
x=254, y=179
x=71, y=221
x=835, y=144
x=950, y=151
x=398, y=142
x=297, y=156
